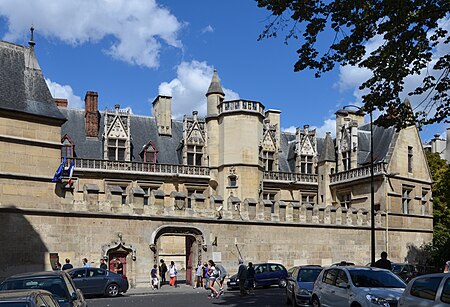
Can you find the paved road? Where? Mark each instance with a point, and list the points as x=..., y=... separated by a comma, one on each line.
x=269, y=297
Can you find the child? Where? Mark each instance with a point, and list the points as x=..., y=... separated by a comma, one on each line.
x=154, y=275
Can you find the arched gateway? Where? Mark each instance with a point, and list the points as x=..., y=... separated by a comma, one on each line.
x=194, y=245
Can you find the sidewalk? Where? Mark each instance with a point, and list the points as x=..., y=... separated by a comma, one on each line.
x=182, y=288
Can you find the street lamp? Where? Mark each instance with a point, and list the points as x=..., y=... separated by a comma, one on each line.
x=372, y=191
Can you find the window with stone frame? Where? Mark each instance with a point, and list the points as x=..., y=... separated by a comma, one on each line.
x=116, y=149
x=306, y=164
x=270, y=196
x=345, y=199
x=150, y=153
x=189, y=197
x=268, y=160
x=346, y=160
x=406, y=200
x=232, y=180
x=148, y=193
x=67, y=147
x=124, y=194
x=410, y=159
x=194, y=155
x=424, y=201
x=308, y=199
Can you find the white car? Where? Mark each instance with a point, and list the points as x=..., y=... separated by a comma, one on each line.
x=357, y=287
x=431, y=290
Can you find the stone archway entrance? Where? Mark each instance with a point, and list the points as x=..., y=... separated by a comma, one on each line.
x=188, y=244
x=118, y=254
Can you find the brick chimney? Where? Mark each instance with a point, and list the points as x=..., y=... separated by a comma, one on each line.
x=92, y=116
x=60, y=102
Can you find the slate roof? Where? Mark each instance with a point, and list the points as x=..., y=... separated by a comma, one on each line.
x=214, y=86
x=22, y=85
x=382, y=138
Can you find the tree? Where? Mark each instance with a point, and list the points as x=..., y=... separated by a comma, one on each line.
x=410, y=31
x=440, y=171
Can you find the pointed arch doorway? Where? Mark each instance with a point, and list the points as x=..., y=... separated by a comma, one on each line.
x=182, y=244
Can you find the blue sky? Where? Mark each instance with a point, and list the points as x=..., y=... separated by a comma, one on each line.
x=129, y=51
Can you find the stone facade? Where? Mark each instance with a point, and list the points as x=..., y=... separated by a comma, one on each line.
x=230, y=185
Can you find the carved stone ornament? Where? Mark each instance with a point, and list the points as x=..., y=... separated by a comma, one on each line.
x=119, y=245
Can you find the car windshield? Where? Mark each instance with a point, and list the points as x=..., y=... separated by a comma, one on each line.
x=397, y=268
x=51, y=284
x=14, y=304
x=308, y=275
x=375, y=279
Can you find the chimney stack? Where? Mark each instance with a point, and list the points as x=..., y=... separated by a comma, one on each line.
x=162, y=110
x=60, y=102
x=92, y=115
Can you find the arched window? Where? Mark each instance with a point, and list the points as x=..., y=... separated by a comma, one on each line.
x=150, y=153
x=67, y=149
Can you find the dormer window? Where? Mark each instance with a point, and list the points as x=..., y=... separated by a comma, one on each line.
x=194, y=155
x=67, y=147
x=306, y=164
x=346, y=162
x=268, y=160
x=150, y=153
x=116, y=149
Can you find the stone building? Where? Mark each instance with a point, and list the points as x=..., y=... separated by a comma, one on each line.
x=439, y=145
x=227, y=186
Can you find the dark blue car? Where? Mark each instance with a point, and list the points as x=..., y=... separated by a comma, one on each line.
x=95, y=281
x=300, y=284
x=266, y=274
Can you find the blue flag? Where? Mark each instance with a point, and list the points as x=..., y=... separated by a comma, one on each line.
x=59, y=171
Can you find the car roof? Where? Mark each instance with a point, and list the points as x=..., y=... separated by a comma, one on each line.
x=309, y=266
x=358, y=268
x=22, y=294
x=41, y=274
x=433, y=275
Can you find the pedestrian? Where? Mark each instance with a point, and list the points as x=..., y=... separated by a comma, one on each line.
x=199, y=276
x=86, y=264
x=119, y=267
x=162, y=271
x=242, y=276
x=213, y=274
x=447, y=266
x=250, y=278
x=67, y=265
x=103, y=264
x=383, y=263
x=206, y=276
x=172, y=274
x=154, y=276
x=222, y=274
x=57, y=266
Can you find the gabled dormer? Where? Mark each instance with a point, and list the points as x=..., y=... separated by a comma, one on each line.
x=194, y=140
x=149, y=153
x=306, y=150
x=117, y=136
x=68, y=147
x=268, y=147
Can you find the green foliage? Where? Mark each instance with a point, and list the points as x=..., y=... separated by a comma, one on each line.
x=440, y=248
x=408, y=31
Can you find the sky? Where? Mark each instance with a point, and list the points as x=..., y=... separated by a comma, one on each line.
x=130, y=51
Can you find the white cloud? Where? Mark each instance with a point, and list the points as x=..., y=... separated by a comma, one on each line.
x=138, y=28
x=291, y=129
x=188, y=89
x=207, y=29
x=329, y=125
x=65, y=91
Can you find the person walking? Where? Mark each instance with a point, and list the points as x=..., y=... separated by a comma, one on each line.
x=173, y=274
x=162, y=271
x=86, y=264
x=199, y=276
x=383, y=263
x=213, y=274
x=250, y=278
x=154, y=276
x=222, y=274
x=242, y=276
x=67, y=265
x=103, y=264
x=206, y=276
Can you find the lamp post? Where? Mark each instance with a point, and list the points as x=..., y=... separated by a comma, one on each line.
x=372, y=190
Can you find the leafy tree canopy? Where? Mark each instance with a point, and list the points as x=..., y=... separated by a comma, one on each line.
x=414, y=42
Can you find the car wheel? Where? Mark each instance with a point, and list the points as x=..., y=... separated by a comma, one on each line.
x=282, y=283
x=315, y=301
x=356, y=305
x=112, y=290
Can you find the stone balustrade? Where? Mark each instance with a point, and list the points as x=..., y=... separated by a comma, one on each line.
x=357, y=173
x=290, y=177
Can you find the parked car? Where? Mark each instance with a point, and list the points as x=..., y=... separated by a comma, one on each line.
x=96, y=281
x=58, y=283
x=27, y=298
x=300, y=284
x=343, y=263
x=266, y=274
x=405, y=271
x=356, y=287
x=427, y=291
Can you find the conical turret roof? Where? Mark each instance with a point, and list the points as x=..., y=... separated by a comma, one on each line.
x=215, y=87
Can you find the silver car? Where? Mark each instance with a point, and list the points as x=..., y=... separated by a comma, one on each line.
x=432, y=290
x=357, y=287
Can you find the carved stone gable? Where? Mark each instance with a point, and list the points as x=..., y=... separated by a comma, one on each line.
x=345, y=141
x=307, y=147
x=196, y=135
x=117, y=129
x=268, y=142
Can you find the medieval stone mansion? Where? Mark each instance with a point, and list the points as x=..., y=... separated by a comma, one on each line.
x=227, y=186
